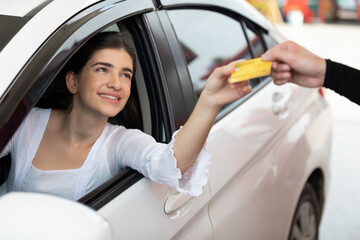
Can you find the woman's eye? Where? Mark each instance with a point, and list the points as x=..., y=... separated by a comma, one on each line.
x=125, y=75
x=101, y=69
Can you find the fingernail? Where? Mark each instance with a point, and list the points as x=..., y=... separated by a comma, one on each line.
x=246, y=89
x=265, y=57
x=285, y=68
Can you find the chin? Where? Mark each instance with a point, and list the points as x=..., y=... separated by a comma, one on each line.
x=112, y=115
x=112, y=112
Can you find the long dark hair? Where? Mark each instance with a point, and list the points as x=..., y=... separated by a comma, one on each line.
x=60, y=98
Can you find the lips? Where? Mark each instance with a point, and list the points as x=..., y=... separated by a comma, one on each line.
x=110, y=97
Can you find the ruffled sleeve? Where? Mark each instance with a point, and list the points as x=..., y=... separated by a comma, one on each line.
x=156, y=161
x=193, y=180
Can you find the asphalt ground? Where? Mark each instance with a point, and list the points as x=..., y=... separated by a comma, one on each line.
x=339, y=42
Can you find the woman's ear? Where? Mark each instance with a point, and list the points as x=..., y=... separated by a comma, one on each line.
x=71, y=82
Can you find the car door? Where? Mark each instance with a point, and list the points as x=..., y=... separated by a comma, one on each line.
x=259, y=152
x=136, y=207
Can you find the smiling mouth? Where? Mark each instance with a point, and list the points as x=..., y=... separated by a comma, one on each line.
x=109, y=97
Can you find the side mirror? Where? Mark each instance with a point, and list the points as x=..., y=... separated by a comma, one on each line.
x=40, y=216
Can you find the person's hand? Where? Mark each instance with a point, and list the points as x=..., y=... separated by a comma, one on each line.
x=293, y=63
x=218, y=91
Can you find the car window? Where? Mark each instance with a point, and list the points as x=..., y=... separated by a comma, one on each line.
x=141, y=113
x=145, y=114
x=270, y=41
x=37, y=86
x=208, y=39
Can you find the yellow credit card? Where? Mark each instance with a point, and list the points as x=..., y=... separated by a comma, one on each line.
x=250, y=69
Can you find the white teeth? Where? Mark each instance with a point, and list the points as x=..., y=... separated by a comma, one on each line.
x=108, y=96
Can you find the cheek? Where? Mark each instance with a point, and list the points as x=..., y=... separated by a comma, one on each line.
x=128, y=87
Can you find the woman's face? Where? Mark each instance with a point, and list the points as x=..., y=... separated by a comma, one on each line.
x=103, y=86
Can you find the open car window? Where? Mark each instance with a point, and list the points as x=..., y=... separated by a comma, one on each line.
x=45, y=91
x=139, y=113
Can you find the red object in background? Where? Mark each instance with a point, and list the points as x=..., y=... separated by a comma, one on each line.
x=301, y=5
x=358, y=9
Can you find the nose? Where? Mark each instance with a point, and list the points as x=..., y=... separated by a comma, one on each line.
x=114, y=83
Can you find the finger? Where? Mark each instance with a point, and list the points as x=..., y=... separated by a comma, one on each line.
x=275, y=65
x=240, y=84
x=227, y=70
x=223, y=71
x=242, y=91
x=238, y=61
x=246, y=89
x=282, y=53
x=242, y=88
x=232, y=64
x=284, y=67
x=280, y=75
x=282, y=78
x=281, y=82
x=280, y=67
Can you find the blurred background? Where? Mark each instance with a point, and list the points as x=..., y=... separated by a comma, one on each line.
x=309, y=11
x=330, y=29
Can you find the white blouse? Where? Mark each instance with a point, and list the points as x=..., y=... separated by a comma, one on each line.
x=115, y=149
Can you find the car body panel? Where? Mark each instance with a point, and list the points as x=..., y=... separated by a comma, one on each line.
x=139, y=213
x=274, y=157
x=49, y=212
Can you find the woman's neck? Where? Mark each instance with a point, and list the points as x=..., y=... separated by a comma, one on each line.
x=79, y=129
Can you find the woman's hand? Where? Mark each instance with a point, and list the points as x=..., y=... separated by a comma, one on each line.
x=218, y=91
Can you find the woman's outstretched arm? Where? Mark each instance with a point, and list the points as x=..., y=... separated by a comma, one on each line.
x=217, y=92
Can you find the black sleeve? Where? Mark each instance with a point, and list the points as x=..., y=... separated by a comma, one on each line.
x=343, y=80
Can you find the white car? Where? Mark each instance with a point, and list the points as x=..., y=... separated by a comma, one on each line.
x=270, y=150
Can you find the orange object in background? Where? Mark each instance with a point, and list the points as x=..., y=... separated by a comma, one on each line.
x=269, y=8
x=328, y=10
x=301, y=5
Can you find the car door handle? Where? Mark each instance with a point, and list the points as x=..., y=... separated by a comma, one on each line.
x=177, y=204
x=281, y=103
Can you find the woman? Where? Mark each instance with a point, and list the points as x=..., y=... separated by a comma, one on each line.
x=70, y=152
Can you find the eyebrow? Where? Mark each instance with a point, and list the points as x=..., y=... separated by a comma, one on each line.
x=111, y=66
